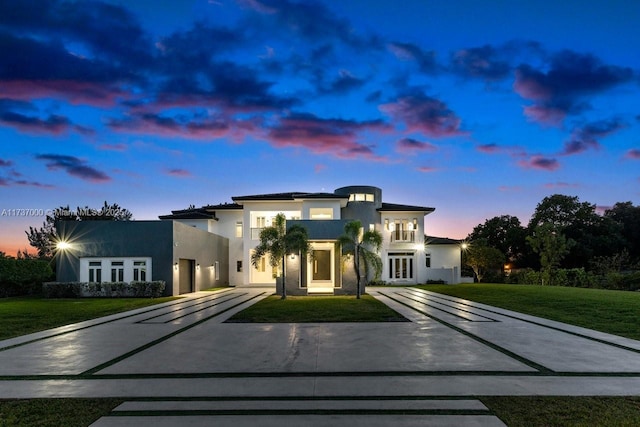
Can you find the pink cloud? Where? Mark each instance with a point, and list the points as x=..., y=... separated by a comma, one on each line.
x=319, y=168
x=76, y=92
x=410, y=145
x=426, y=169
x=633, y=154
x=545, y=115
x=489, y=148
x=113, y=147
x=180, y=173
x=509, y=188
x=552, y=185
x=207, y=128
x=324, y=136
x=424, y=114
x=540, y=163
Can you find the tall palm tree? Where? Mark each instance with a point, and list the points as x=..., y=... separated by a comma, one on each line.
x=278, y=241
x=363, y=245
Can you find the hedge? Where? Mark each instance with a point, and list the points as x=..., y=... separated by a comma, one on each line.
x=23, y=276
x=152, y=289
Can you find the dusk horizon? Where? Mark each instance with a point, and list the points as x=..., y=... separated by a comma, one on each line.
x=475, y=109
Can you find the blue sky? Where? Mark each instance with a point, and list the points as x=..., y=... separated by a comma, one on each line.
x=475, y=108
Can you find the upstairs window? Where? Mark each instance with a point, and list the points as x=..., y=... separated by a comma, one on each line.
x=361, y=197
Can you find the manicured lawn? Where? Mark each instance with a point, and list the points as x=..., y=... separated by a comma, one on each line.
x=615, y=312
x=54, y=412
x=318, y=309
x=24, y=315
x=543, y=411
x=518, y=411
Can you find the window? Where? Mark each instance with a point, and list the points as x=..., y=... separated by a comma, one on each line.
x=401, y=265
x=95, y=271
x=321, y=213
x=372, y=227
x=140, y=271
x=117, y=271
x=361, y=197
x=239, y=266
x=261, y=222
x=403, y=231
x=239, y=229
x=262, y=265
x=217, y=270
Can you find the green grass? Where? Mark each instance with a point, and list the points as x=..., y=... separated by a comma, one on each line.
x=54, y=412
x=24, y=315
x=615, y=312
x=544, y=411
x=317, y=309
x=514, y=411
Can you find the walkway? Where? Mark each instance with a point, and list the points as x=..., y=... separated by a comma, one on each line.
x=178, y=363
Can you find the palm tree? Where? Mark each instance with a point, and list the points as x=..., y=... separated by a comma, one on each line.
x=278, y=241
x=359, y=243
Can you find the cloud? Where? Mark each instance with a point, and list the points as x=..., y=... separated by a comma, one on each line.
x=192, y=127
x=426, y=60
x=410, y=145
x=633, y=153
x=489, y=148
x=73, y=166
x=586, y=137
x=5, y=163
x=310, y=20
x=561, y=90
x=180, y=173
x=426, y=169
x=324, y=136
x=480, y=62
x=560, y=184
x=424, y=114
x=510, y=188
x=53, y=124
x=344, y=84
x=540, y=163
x=113, y=147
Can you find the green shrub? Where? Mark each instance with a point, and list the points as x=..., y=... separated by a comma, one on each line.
x=152, y=289
x=23, y=276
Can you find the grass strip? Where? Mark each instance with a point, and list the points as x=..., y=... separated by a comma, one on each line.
x=54, y=412
x=312, y=309
x=614, y=312
x=544, y=411
x=26, y=315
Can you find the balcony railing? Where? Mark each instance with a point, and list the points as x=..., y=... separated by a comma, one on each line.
x=255, y=233
x=408, y=236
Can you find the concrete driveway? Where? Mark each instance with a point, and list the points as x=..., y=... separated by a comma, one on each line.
x=179, y=363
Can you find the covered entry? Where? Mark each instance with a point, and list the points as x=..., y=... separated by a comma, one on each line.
x=321, y=268
x=187, y=276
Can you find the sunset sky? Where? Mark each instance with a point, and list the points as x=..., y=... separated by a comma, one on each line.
x=476, y=108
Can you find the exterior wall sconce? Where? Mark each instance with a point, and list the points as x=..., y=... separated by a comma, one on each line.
x=292, y=256
x=386, y=223
x=197, y=266
x=175, y=266
x=415, y=223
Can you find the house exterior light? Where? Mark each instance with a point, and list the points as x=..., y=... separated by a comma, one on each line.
x=62, y=245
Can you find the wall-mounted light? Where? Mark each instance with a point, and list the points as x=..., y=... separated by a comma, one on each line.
x=386, y=223
x=197, y=266
x=175, y=265
x=415, y=223
x=292, y=256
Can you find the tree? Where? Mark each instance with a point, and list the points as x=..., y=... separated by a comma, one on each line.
x=552, y=246
x=278, y=241
x=481, y=257
x=504, y=233
x=577, y=221
x=44, y=238
x=627, y=217
x=363, y=245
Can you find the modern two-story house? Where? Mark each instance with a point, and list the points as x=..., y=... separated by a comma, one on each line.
x=212, y=245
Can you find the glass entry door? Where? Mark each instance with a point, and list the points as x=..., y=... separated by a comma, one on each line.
x=320, y=276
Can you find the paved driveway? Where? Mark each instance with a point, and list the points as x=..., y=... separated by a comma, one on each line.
x=179, y=363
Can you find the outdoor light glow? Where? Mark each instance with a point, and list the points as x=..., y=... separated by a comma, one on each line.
x=62, y=245
x=465, y=245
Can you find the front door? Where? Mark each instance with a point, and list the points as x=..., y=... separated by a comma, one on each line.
x=321, y=269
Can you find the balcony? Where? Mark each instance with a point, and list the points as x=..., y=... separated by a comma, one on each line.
x=403, y=236
x=255, y=233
